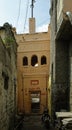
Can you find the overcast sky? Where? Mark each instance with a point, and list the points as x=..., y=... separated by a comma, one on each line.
x=18, y=12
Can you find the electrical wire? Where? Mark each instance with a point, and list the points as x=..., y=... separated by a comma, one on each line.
x=24, y=27
x=26, y=15
x=18, y=13
x=44, y=21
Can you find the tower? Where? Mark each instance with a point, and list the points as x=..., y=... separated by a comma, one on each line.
x=32, y=19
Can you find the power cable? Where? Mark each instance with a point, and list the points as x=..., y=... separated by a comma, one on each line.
x=46, y=20
x=18, y=13
x=26, y=15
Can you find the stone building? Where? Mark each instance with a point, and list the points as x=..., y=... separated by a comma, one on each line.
x=61, y=55
x=8, y=49
x=33, y=61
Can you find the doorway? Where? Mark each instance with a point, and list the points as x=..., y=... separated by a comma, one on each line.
x=35, y=102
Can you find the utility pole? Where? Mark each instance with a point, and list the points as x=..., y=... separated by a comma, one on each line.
x=32, y=6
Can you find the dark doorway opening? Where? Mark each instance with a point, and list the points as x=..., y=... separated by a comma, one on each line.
x=35, y=102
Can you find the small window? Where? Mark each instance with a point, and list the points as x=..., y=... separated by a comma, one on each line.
x=34, y=61
x=25, y=61
x=43, y=60
x=6, y=80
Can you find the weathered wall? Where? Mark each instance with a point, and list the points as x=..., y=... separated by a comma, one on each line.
x=62, y=76
x=29, y=45
x=7, y=84
x=61, y=63
x=53, y=54
x=70, y=73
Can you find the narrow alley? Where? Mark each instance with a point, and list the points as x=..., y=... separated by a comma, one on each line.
x=33, y=122
x=36, y=67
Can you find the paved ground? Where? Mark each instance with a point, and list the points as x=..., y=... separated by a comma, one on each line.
x=33, y=123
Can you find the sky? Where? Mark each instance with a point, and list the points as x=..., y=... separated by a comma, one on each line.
x=18, y=12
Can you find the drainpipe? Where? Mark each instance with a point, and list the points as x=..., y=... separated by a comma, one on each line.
x=46, y=91
x=23, y=92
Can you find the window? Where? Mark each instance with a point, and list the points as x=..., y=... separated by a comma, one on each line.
x=6, y=80
x=25, y=61
x=34, y=61
x=43, y=60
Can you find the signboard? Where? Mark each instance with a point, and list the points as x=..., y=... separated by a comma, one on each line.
x=34, y=82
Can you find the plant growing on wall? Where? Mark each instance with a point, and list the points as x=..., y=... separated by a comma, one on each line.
x=8, y=40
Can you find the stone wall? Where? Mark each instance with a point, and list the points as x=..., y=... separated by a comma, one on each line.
x=7, y=79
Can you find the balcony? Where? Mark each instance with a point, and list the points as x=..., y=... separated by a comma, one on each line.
x=64, y=8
